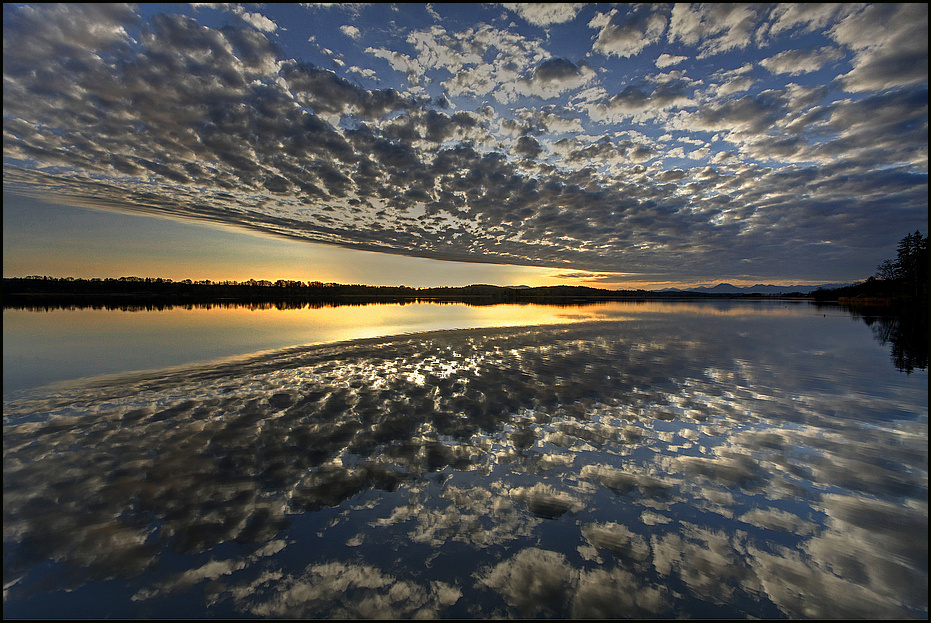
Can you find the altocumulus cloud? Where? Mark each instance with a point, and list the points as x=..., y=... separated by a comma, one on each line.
x=489, y=146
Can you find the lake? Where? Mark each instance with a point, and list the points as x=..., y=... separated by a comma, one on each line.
x=702, y=459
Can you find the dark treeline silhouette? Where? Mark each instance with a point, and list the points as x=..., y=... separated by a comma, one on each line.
x=117, y=303
x=37, y=292
x=903, y=280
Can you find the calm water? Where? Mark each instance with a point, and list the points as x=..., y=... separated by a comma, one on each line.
x=41, y=347
x=718, y=459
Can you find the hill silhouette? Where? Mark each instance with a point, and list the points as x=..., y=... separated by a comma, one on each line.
x=726, y=288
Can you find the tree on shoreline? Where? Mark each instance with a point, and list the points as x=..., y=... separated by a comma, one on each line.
x=909, y=270
x=903, y=280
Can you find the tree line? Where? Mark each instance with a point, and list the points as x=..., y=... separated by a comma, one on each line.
x=903, y=279
x=42, y=291
x=159, y=289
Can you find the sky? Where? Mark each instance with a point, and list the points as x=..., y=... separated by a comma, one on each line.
x=617, y=146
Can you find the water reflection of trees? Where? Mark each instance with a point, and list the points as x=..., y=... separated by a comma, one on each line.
x=904, y=330
x=38, y=303
x=908, y=336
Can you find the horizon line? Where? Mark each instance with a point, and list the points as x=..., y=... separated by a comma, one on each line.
x=303, y=283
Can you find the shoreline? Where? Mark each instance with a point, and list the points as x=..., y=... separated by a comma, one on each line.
x=19, y=292
x=53, y=300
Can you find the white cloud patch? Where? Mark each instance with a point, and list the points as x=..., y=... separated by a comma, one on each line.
x=804, y=17
x=666, y=60
x=545, y=13
x=797, y=62
x=350, y=31
x=399, y=62
x=258, y=21
x=715, y=28
x=724, y=83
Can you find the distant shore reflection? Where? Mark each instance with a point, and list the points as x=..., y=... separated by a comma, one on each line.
x=115, y=303
x=606, y=469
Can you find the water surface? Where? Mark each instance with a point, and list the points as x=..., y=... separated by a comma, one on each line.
x=702, y=460
x=47, y=345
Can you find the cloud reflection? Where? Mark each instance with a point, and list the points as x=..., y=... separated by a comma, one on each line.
x=683, y=477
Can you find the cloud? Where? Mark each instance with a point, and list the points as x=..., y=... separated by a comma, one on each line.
x=551, y=78
x=74, y=30
x=805, y=17
x=552, y=120
x=665, y=60
x=618, y=539
x=603, y=152
x=592, y=277
x=399, y=62
x=545, y=13
x=748, y=114
x=350, y=31
x=797, y=62
x=555, y=70
x=439, y=49
x=527, y=146
x=715, y=28
x=256, y=20
x=352, y=7
x=891, y=46
x=484, y=61
x=627, y=34
x=647, y=99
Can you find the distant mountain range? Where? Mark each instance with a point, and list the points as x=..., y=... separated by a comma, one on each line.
x=726, y=288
